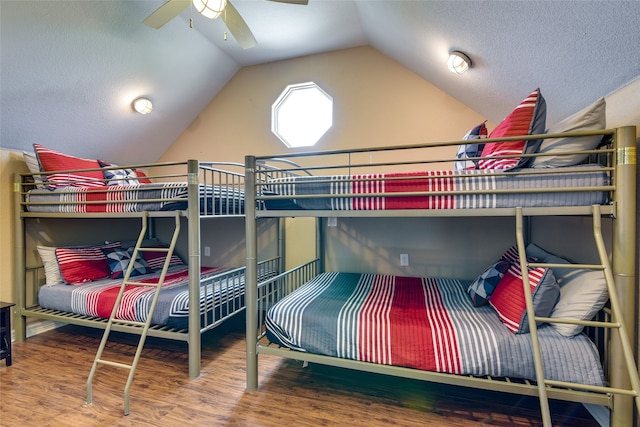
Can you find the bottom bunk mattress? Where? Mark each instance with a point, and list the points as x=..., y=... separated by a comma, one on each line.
x=422, y=323
x=220, y=295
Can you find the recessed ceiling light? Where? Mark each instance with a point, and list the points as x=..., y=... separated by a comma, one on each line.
x=142, y=105
x=459, y=62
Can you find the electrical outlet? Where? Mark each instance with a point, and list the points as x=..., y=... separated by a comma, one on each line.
x=332, y=221
x=207, y=251
x=404, y=259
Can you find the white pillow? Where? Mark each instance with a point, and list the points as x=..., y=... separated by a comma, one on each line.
x=51, y=269
x=590, y=118
x=34, y=167
x=583, y=293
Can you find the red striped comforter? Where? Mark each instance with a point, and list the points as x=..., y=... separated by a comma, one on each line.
x=422, y=323
x=446, y=189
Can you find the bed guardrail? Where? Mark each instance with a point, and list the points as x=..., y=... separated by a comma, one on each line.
x=275, y=288
x=347, y=177
x=220, y=190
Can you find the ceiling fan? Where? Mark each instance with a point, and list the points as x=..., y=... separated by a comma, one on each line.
x=211, y=9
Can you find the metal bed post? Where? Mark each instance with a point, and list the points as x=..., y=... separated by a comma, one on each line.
x=624, y=267
x=20, y=323
x=320, y=255
x=251, y=288
x=282, y=244
x=193, y=219
x=533, y=328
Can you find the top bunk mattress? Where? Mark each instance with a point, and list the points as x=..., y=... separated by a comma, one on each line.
x=165, y=196
x=583, y=185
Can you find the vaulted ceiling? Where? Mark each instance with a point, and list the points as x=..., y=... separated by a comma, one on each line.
x=69, y=69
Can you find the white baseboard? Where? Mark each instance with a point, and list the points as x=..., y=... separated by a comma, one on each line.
x=41, y=327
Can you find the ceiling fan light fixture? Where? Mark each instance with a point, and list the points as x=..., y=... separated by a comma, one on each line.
x=210, y=8
x=142, y=105
x=458, y=62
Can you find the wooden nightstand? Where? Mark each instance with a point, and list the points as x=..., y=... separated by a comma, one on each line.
x=5, y=331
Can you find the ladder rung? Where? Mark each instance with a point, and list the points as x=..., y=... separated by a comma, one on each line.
x=595, y=323
x=154, y=249
x=128, y=322
x=572, y=266
x=149, y=285
x=116, y=364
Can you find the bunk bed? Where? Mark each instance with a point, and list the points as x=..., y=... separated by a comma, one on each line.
x=69, y=283
x=346, y=318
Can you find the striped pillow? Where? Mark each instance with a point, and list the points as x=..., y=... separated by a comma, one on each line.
x=508, y=297
x=81, y=265
x=528, y=118
x=53, y=161
x=155, y=260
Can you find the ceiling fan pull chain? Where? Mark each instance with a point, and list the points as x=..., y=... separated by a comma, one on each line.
x=225, y=20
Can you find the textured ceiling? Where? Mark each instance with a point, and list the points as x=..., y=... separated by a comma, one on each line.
x=69, y=69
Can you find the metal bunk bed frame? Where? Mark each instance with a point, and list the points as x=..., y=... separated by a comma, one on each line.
x=620, y=277
x=197, y=174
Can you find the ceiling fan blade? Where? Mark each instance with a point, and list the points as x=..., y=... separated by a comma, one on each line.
x=166, y=13
x=302, y=2
x=238, y=27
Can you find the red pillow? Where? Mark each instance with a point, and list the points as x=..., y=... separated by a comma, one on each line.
x=52, y=161
x=528, y=118
x=155, y=260
x=508, y=297
x=142, y=177
x=80, y=265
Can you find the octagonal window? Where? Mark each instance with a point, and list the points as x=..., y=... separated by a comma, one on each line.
x=302, y=114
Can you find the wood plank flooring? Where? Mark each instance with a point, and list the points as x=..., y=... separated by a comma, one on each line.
x=46, y=387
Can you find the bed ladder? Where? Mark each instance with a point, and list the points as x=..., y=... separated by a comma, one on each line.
x=141, y=328
x=616, y=323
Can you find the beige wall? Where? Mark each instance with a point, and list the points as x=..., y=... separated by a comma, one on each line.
x=376, y=102
x=10, y=163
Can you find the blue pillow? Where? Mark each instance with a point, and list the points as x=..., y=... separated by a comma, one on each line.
x=119, y=259
x=482, y=288
x=118, y=176
x=467, y=151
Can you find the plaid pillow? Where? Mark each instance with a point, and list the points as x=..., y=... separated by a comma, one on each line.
x=466, y=151
x=482, y=288
x=119, y=260
x=119, y=176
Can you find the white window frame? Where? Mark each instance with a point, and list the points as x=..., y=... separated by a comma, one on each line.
x=302, y=114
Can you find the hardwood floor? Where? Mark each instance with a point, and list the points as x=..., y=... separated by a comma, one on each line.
x=46, y=387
